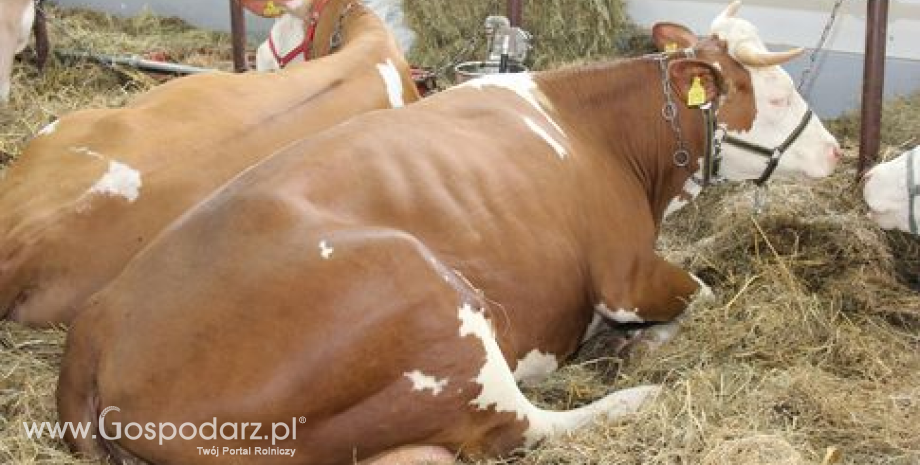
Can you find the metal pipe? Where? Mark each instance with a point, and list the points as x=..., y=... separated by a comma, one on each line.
x=40, y=30
x=135, y=62
x=516, y=12
x=873, y=83
x=238, y=36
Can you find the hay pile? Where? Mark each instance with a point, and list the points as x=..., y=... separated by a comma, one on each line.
x=811, y=344
x=67, y=86
x=564, y=31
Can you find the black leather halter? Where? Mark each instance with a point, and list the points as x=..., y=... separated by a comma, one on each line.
x=773, y=155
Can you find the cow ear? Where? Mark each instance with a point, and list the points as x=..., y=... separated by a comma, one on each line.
x=684, y=73
x=671, y=36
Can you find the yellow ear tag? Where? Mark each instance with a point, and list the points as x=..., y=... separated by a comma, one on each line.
x=271, y=9
x=670, y=47
x=697, y=95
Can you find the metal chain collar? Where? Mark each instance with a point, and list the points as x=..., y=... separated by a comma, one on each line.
x=335, y=40
x=670, y=113
x=806, y=80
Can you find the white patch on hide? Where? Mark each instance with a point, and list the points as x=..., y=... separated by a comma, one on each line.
x=393, y=83
x=620, y=315
x=535, y=366
x=48, y=130
x=120, y=180
x=421, y=381
x=325, y=250
x=560, y=150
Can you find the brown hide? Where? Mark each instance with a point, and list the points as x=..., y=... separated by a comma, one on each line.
x=312, y=284
x=59, y=242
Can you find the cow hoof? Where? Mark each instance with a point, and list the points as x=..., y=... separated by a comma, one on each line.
x=704, y=293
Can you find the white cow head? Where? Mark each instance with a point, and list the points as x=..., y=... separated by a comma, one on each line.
x=760, y=105
x=779, y=110
x=286, y=36
x=16, y=17
x=889, y=190
x=288, y=33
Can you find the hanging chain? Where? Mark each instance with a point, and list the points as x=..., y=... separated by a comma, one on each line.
x=670, y=114
x=807, y=80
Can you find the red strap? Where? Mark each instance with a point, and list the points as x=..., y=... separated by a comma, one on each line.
x=316, y=10
x=289, y=56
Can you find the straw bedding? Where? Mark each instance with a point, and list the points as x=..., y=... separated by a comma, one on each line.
x=809, y=352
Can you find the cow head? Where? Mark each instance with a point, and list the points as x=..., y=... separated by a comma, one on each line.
x=16, y=17
x=286, y=36
x=760, y=106
x=890, y=191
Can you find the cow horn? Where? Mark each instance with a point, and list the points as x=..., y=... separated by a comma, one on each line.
x=748, y=55
x=732, y=9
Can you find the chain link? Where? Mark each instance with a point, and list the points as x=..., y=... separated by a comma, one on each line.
x=806, y=80
x=671, y=114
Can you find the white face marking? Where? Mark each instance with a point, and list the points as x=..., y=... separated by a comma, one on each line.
x=25, y=27
x=779, y=110
x=535, y=366
x=393, y=83
x=887, y=195
x=421, y=381
x=620, y=315
x=287, y=33
x=325, y=250
x=120, y=180
x=560, y=150
x=499, y=390
x=521, y=84
x=48, y=130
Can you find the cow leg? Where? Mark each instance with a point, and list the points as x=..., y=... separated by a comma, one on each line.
x=658, y=292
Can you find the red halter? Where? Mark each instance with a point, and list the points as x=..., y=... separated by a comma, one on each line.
x=316, y=10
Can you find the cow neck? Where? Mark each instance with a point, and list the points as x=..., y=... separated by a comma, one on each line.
x=617, y=108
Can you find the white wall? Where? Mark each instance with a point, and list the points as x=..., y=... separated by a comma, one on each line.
x=797, y=22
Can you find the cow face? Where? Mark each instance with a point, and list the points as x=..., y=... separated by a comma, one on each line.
x=887, y=191
x=761, y=105
x=287, y=35
x=16, y=17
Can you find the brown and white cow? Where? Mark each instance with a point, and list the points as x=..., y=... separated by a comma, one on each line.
x=386, y=282
x=16, y=17
x=93, y=188
x=891, y=190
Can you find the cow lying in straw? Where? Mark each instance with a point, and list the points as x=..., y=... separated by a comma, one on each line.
x=16, y=17
x=96, y=186
x=891, y=190
x=385, y=283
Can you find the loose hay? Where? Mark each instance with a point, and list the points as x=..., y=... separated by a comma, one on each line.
x=812, y=341
x=38, y=99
